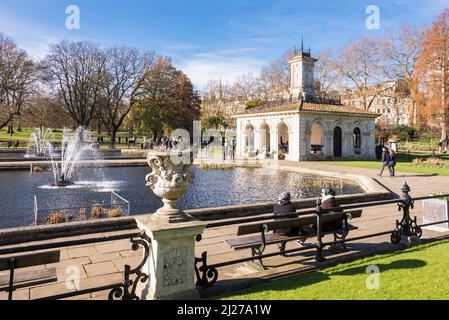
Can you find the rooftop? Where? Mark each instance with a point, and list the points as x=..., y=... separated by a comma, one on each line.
x=307, y=107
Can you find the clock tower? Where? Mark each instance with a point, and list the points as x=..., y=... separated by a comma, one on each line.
x=302, y=67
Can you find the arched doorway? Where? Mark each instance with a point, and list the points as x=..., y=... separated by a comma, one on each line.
x=316, y=139
x=249, y=138
x=265, y=140
x=338, y=142
x=283, y=138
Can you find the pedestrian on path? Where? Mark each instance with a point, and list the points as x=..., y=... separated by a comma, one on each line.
x=385, y=160
x=392, y=163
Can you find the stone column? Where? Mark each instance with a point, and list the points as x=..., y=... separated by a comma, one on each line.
x=172, y=233
x=171, y=261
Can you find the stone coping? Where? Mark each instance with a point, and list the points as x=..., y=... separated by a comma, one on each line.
x=25, y=165
x=374, y=191
x=367, y=184
x=46, y=232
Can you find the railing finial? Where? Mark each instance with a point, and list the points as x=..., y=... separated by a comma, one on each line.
x=405, y=189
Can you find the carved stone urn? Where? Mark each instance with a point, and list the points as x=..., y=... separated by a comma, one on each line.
x=170, y=179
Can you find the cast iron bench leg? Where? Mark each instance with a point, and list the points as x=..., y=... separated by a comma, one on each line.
x=256, y=252
x=282, y=248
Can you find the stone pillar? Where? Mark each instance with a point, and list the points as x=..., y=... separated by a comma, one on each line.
x=172, y=233
x=171, y=261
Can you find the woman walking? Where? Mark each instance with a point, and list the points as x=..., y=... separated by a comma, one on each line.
x=392, y=163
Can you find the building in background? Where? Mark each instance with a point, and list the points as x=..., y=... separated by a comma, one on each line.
x=305, y=128
x=392, y=100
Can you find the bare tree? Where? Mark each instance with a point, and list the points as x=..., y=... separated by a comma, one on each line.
x=275, y=77
x=44, y=111
x=327, y=73
x=75, y=69
x=17, y=75
x=122, y=83
x=401, y=53
x=361, y=66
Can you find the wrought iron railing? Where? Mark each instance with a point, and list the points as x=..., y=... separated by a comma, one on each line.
x=207, y=274
x=125, y=290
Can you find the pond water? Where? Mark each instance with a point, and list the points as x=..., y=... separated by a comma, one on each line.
x=107, y=155
x=210, y=189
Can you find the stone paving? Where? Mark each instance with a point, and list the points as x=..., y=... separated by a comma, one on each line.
x=103, y=263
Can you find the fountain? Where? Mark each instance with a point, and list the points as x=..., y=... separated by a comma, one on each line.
x=39, y=140
x=74, y=145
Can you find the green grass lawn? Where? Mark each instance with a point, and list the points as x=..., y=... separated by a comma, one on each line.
x=24, y=136
x=404, y=164
x=423, y=144
x=417, y=273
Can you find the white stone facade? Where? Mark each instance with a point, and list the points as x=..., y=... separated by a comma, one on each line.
x=260, y=134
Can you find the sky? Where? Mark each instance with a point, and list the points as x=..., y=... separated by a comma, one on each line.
x=210, y=39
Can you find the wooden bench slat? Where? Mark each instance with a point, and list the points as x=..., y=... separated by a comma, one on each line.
x=295, y=222
x=248, y=242
x=29, y=278
x=276, y=225
x=31, y=260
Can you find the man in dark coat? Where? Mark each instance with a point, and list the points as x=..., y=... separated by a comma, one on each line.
x=328, y=201
x=385, y=160
x=283, y=210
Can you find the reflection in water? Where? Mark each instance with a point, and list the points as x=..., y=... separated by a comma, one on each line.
x=210, y=189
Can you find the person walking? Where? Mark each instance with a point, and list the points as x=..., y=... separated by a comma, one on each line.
x=392, y=163
x=385, y=160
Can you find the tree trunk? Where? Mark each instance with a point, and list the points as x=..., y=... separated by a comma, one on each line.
x=99, y=126
x=19, y=126
x=10, y=129
x=443, y=104
x=113, y=136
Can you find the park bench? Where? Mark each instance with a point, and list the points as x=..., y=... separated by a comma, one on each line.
x=258, y=243
x=16, y=280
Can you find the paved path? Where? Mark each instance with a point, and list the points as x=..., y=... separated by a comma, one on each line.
x=103, y=263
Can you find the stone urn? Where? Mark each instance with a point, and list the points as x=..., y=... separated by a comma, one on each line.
x=170, y=179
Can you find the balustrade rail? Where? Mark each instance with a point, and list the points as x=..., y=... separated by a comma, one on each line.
x=125, y=290
x=207, y=274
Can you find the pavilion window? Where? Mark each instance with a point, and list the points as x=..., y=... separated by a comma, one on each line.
x=357, y=139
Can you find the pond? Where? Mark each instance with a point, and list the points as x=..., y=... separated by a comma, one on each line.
x=211, y=189
x=107, y=155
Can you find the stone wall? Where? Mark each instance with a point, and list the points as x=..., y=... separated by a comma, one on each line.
x=300, y=132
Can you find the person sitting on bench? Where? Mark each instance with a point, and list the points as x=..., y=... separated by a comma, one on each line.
x=283, y=210
x=328, y=201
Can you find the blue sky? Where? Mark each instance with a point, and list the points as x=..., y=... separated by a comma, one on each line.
x=209, y=38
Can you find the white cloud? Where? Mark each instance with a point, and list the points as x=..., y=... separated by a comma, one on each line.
x=227, y=64
x=34, y=38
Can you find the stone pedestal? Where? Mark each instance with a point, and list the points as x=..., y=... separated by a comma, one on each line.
x=172, y=233
x=171, y=262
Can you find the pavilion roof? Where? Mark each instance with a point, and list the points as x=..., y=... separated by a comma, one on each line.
x=307, y=107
